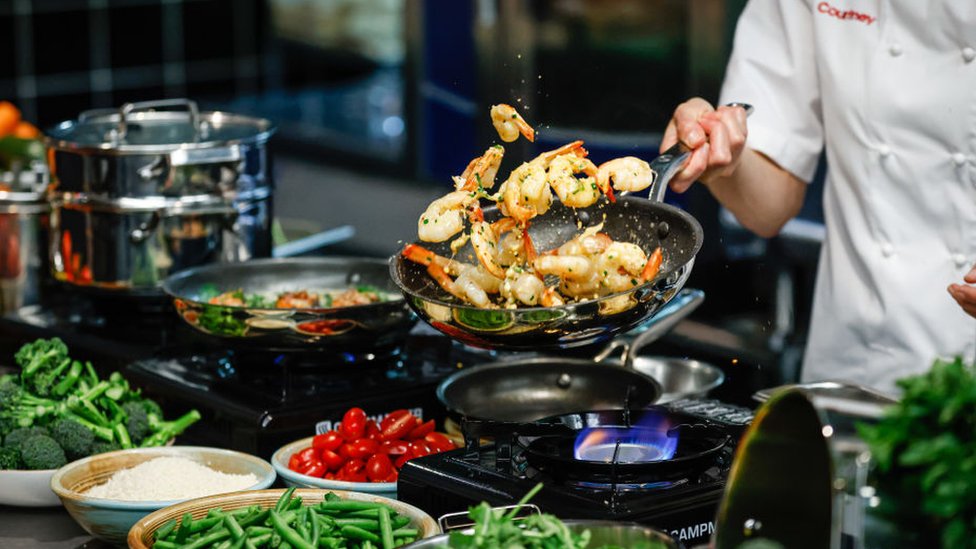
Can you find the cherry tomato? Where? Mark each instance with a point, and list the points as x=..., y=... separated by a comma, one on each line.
x=327, y=441
x=419, y=448
x=354, y=469
x=399, y=428
x=392, y=477
x=398, y=463
x=314, y=469
x=394, y=447
x=332, y=460
x=373, y=430
x=421, y=430
x=294, y=462
x=438, y=442
x=378, y=467
x=353, y=424
x=362, y=448
x=391, y=417
x=329, y=476
x=307, y=455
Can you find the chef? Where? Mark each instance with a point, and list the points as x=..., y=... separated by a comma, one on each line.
x=886, y=89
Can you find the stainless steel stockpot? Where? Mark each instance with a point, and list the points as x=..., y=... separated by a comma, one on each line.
x=23, y=219
x=144, y=191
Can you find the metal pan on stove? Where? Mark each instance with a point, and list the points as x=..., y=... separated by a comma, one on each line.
x=369, y=326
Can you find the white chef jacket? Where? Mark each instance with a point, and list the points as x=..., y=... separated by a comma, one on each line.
x=888, y=89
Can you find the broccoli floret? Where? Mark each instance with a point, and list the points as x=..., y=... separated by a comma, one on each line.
x=137, y=420
x=10, y=391
x=75, y=439
x=10, y=458
x=16, y=437
x=102, y=446
x=41, y=363
x=42, y=452
x=163, y=431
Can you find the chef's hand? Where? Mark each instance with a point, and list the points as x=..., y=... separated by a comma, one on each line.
x=716, y=138
x=964, y=294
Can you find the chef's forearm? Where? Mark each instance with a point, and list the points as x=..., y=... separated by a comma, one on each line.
x=761, y=195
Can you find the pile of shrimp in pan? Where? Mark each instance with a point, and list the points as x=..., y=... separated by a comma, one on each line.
x=509, y=271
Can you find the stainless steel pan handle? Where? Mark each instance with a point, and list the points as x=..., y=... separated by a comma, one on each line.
x=668, y=163
x=661, y=323
x=128, y=108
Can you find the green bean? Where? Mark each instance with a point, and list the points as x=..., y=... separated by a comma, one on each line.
x=208, y=539
x=216, y=511
x=284, y=500
x=331, y=542
x=300, y=524
x=288, y=534
x=386, y=530
x=358, y=533
x=249, y=543
x=257, y=530
x=400, y=521
x=260, y=516
x=316, y=529
x=365, y=513
x=364, y=523
x=258, y=541
x=344, y=505
x=235, y=529
x=404, y=532
x=165, y=529
x=295, y=503
x=204, y=524
x=239, y=544
x=224, y=544
x=184, y=529
x=366, y=545
x=160, y=544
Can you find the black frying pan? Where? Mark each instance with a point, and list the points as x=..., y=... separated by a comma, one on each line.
x=637, y=220
x=648, y=223
x=359, y=327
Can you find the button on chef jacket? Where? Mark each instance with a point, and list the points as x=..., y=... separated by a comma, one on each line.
x=888, y=90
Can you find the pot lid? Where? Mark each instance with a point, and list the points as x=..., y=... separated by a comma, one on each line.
x=143, y=128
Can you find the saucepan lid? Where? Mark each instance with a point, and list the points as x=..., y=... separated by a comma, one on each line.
x=154, y=127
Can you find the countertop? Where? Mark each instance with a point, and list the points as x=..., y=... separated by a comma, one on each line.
x=42, y=528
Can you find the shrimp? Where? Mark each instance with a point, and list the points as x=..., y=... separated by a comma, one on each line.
x=574, y=192
x=445, y=216
x=509, y=123
x=471, y=286
x=474, y=283
x=230, y=299
x=484, y=240
x=629, y=173
x=620, y=266
x=567, y=267
x=481, y=172
x=526, y=193
x=521, y=286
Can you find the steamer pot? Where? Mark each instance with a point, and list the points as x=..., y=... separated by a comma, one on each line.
x=141, y=192
x=23, y=220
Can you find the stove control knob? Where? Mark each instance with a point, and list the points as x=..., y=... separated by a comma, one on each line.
x=564, y=380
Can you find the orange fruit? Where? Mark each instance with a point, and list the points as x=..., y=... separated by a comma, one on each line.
x=26, y=130
x=9, y=117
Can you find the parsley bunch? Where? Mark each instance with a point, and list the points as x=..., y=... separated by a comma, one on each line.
x=925, y=450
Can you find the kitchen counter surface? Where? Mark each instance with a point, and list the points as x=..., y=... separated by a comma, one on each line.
x=43, y=528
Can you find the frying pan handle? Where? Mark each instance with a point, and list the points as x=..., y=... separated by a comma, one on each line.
x=667, y=318
x=670, y=162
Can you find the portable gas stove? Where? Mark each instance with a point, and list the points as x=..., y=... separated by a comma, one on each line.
x=251, y=400
x=593, y=468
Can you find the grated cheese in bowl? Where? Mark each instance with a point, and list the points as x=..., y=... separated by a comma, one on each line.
x=169, y=478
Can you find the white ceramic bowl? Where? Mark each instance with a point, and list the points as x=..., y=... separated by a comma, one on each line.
x=27, y=488
x=291, y=478
x=110, y=519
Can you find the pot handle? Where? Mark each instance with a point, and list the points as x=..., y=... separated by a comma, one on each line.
x=667, y=318
x=128, y=108
x=448, y=523
x=668, y=163
x=654, y=328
